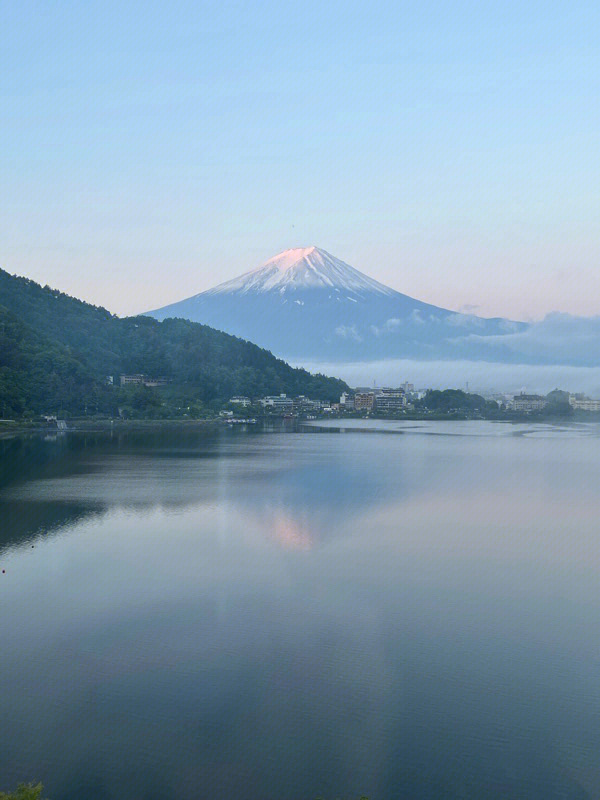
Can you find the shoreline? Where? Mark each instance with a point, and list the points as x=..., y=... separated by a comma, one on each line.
x=9, y=429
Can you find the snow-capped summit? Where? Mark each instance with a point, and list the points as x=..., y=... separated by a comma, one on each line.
x=302, y=268
x=305, y=303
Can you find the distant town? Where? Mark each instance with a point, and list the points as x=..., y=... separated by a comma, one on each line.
x=400, y=402
x=406, y=400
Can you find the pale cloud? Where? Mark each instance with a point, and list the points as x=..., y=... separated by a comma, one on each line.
x=481, y=375
x=389, y=326
x=348, y=332
x=559, y=339
x=465, y=321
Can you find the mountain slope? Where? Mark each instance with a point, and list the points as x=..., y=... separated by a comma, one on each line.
x=45, y=334
x=307, y=304
x=36, y=371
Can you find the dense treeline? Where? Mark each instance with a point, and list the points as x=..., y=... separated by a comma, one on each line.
x=37, y=374
x=450, y=400
x=454, y=401
x=56, y=353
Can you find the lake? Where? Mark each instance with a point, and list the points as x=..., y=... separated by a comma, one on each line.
x=396, y=609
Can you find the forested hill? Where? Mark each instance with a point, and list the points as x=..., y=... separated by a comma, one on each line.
x=56, y=353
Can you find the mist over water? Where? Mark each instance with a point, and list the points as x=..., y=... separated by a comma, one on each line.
x=480, y=375
x=395, y=609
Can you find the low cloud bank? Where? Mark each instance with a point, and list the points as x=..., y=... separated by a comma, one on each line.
x=481, y=375
x=558, y=338
x=559, y=351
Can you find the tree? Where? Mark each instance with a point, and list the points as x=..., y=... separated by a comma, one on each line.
x=558, y=403
x=24, y=791
x=452, y=400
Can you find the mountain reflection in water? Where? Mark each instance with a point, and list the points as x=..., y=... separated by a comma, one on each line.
x=266, y=614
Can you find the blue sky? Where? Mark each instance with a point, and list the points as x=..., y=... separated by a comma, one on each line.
x=151, y=150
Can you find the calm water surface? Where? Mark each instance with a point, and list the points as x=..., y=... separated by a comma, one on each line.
x=404, y=610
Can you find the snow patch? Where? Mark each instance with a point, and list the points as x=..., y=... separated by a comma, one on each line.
x=301, y=269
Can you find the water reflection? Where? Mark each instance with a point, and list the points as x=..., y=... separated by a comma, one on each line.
x=266, y=616
x=281, y=483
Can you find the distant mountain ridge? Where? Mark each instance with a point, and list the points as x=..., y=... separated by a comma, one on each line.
x=307, y=304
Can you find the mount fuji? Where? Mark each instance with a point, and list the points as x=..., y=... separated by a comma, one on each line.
x=305, y=304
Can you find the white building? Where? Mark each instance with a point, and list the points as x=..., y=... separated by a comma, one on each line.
x=347, y=401
x=133, y=380
x=580, y=402
x=278, y=402
x=244, y=402
x=304, y=405
x=388, y=401
x=529, y=402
